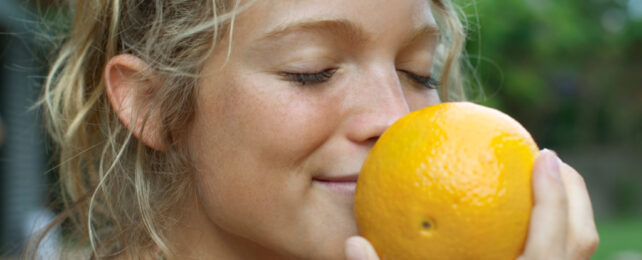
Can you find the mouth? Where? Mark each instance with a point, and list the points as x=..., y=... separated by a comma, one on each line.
x=341, y=184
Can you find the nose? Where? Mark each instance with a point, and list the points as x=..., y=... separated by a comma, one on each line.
x=378, y=103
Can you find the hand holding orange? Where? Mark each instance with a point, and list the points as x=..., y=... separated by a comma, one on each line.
x=451, y=181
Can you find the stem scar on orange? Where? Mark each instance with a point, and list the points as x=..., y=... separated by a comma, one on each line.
x=450, y=181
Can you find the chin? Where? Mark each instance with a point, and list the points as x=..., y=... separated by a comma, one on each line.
x=332, y=247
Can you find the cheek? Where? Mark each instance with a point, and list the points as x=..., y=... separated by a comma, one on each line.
x=420, y=99
x=274, y=124
x=283, y=129
x=292, y=125
x=251, y=145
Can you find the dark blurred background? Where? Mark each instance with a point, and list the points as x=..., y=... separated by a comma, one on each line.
x=570, y=71
x=24, y=184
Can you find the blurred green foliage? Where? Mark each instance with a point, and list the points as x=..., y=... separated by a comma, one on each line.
x=570, y=70
x=620, y=239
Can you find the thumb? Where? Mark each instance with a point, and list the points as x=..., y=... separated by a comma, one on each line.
x=358, y=248
x=547, y=231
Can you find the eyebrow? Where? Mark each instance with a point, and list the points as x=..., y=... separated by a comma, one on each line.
x=343, y=28
x=340, y=27
x=425, y=31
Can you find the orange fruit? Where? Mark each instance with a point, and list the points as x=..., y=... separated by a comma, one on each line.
x=450, y=181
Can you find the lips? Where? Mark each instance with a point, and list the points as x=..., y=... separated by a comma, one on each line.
x=339, y=178
x=341, y=184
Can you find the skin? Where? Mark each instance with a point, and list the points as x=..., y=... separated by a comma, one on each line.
x=260, y=139
x=264, y=144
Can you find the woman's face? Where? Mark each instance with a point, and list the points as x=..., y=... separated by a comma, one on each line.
x=281, y=130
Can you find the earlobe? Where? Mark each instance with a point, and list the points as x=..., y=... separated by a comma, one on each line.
x=126, y=81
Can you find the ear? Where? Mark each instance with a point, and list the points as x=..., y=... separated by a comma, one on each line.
x=128, y=81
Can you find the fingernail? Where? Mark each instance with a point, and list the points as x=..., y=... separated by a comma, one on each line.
x=551, y=163
x=354, y=250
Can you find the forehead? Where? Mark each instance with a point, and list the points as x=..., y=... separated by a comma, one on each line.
x=362, y=19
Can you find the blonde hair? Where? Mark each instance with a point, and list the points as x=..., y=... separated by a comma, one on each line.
x=120, y=195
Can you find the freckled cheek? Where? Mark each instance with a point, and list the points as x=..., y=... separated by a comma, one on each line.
x=267, y=139
x=296, y=126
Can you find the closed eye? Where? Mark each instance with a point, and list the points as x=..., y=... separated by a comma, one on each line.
x=309, y=78
x=426, y=81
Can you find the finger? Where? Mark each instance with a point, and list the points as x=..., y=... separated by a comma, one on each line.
x=547, y=230
x=358, y=248
x=583, y=238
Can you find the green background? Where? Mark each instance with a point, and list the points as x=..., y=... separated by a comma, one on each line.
x=571, y=72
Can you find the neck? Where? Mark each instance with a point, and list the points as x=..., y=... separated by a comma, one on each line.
x=196, y=236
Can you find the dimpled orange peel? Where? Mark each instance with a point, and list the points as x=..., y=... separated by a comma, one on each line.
x=450, y=181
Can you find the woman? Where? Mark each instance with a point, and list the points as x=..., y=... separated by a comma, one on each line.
x=236, y=130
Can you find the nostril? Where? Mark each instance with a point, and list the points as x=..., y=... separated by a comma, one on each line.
x=373, y=139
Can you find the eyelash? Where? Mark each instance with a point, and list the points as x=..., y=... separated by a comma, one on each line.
x=310, y=78
x=428, y=82
x=323, y=76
